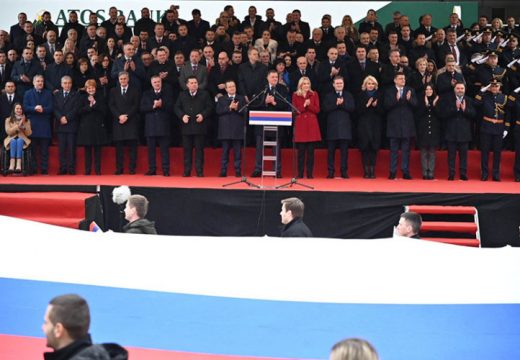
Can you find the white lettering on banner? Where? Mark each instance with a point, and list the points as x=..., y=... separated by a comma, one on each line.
x=312, y=11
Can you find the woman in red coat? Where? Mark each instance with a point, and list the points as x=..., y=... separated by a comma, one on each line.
x=306, y=127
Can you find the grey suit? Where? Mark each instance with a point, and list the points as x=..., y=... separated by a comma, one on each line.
x=201, y=73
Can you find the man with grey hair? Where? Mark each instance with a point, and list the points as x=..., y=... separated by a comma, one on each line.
x=67, y=121
x=124, y=104
x=292, y=218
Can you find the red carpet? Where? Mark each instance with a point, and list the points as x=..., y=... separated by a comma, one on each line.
x=355, y=183
x=63, y=209
x=25, y=347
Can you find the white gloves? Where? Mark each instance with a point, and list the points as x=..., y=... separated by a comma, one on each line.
x=505, y=134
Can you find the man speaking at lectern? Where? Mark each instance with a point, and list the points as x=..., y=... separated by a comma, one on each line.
x=272, y=101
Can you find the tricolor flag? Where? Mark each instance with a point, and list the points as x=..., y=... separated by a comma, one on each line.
x=273, y=118
x=259, y=297
x=93, y=227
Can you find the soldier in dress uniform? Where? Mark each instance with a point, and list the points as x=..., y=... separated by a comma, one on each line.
x=514, y=100
x=493, y=127
x=489, y=71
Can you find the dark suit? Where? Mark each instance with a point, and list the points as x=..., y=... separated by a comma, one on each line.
x=281, y=91
x=188, y=70
x=296, y=75
x=198, y=31
x=339, y=128
x=400, y=126
x=68, y=107
x=458, y=131
x=40, y=123
x=53, y=75
x=128, y=132
x=6, y=108
x=137, y=76
x=6, y=75
x=92, y=132
x=193, y=132
x=324, y=78
x=231, y=127
x=157, y=126
x=445, y=49
x=28, y=69
x=355, y=74
x=154, y=43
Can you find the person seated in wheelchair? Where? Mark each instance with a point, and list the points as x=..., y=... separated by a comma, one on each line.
x=18, y=129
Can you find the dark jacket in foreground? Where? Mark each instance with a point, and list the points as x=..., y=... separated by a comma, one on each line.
x=83, y=349
x=141, y=226
x=296, y=228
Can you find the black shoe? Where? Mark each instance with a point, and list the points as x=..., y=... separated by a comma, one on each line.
x=150, y=173
x=407, y=177
x=87, y=172
x=483, y=178
x=300, y=176
x=61, y=172
x=278, y=175
x=464, y=177
x=372, y=172
x=309, y=176
x=344, y=175
x=72, y=172
x=186, y=174
x=256, y=173
x=223, y=174
x=517, y=179
x=200, y=174
x=391, y=176
x=496, y=178
x=44, y=172
x=452, y=177
x=238, y=173
x=98, y=172
x=132, y=172
x=166, y=173
x=366, y=172
x=330, y=175
x=118, y=172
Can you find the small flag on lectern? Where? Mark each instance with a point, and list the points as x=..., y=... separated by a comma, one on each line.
x=270, y=118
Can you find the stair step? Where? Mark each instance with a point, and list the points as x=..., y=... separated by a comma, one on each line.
x=438, y=209
x=68, y=222
x=52, y=204
x=455, y=241
x=460, y=227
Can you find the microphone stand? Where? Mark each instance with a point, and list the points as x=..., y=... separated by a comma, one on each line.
x=294, y=180
x=243, y=164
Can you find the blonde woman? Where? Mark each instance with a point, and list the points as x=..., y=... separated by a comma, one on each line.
x=370, y=121
x=351, y=30
x=306, y=127
x=353, y=349
x=18, y=129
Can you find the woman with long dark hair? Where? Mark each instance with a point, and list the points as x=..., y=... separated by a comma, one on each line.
x=428, y=130
x=18, y=129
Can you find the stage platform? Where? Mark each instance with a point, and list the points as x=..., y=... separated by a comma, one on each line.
x=337, y=208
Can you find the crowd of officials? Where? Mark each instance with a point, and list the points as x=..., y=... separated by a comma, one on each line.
x=403, y=85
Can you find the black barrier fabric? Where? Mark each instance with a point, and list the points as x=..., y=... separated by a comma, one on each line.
x=214, y=212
